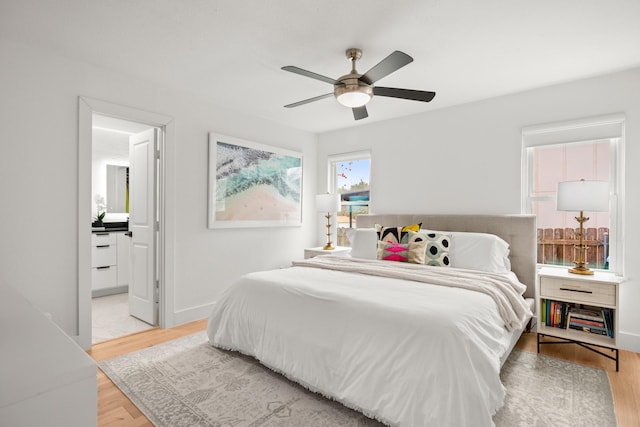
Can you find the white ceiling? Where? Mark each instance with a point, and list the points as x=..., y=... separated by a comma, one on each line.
x=230, y=52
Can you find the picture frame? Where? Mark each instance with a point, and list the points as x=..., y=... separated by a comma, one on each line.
x=253, y=184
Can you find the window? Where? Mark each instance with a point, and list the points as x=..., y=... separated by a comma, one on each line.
x=349, y=176
x=564, y=152
x=556, y=230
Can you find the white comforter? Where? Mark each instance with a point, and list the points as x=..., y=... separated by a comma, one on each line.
x=404, y=352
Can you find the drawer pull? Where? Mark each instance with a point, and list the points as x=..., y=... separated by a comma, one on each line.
x=103, y=268
x=101, y=234
x=576, y=290
x=103, y=246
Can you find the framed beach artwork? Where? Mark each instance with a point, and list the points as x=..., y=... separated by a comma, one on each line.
x=253, y=185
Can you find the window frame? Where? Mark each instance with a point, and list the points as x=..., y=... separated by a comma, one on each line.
x=334, y=159
x=611, y=127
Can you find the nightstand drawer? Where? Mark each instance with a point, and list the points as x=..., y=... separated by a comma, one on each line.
x=578, y=291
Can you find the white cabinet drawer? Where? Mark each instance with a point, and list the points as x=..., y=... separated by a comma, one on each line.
x=103, y=239
x=600, y=294
x=105, y=277
x=103, y=255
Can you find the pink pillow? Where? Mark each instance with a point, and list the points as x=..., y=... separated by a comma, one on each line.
x=390, y=251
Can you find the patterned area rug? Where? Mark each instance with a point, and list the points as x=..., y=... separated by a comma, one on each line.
x=186, y=382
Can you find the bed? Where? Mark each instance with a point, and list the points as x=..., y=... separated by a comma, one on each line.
x=407, y=344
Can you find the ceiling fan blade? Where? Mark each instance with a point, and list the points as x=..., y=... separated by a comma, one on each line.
x=414, y=95
x=388, y=65
x=311, y=74
x=360, y=113
x=306, y=101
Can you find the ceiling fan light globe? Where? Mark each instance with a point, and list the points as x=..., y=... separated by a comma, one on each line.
x=353, y=99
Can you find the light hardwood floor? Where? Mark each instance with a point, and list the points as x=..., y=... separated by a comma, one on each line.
x=114, y=409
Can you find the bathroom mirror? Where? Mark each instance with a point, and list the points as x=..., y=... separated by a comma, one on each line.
x=117, y=189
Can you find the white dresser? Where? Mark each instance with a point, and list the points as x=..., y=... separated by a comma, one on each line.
x=45, y=377
x=110, y=252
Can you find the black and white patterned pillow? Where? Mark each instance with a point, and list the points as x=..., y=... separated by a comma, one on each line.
x=395, y=234
x=437, y=247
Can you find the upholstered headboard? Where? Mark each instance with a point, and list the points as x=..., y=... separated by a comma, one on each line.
x=517, y=230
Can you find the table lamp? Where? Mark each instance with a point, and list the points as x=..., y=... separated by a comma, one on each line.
x=590, y=196
x=328, y=203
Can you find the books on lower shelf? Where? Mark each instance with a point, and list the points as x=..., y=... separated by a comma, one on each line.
x=566, y=315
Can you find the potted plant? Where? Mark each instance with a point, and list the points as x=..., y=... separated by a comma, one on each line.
x=100, y=209
x=98, y=219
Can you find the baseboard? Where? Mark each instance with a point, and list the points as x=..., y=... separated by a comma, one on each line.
x=192, y=314
x=109, y=291
x=630, y=342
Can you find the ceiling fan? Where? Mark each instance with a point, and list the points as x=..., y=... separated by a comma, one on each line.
x=354, y=90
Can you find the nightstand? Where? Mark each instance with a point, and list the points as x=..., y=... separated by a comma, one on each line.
x=560, y=294
x=313, y=252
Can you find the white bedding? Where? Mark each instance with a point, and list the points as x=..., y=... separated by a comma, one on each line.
x=404, y=352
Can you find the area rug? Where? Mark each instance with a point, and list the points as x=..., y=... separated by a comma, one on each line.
x=186, y=382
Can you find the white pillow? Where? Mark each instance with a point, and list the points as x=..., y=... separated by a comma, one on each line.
x=364, y=242
x=478, y=251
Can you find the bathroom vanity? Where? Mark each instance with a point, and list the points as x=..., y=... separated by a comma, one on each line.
x=110, y=252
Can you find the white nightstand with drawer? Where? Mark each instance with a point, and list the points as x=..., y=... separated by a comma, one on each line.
x=565, y=291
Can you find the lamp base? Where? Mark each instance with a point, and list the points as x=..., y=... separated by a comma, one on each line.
x=581, y=269
x=329, y=245
x=580, y=262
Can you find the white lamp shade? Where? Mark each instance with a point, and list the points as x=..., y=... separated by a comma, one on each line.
x=328, y=202
x=590, y=196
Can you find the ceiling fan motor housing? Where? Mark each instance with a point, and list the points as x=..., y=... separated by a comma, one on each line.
x=357, y=93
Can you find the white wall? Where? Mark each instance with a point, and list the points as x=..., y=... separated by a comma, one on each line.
x=466, y=159
x=39, y=187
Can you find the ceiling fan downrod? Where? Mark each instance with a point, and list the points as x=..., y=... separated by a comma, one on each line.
x=353, y=54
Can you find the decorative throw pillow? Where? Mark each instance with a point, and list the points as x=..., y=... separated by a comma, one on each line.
x=396, y=234
x=413, y=252
x=417, y=251
x=393, y=251
x=437, y=246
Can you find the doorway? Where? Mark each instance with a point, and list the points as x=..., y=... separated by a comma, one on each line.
x=148, y=133
x=115, y=310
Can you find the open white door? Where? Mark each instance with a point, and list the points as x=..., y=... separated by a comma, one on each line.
x=142, y=225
